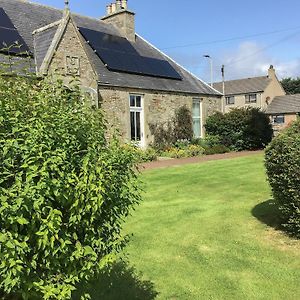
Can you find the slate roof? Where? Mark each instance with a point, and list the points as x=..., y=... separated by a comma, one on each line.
x=284, y=104
x=28, y=17
x=15, y=64
x=42, y=42
x=244, y=86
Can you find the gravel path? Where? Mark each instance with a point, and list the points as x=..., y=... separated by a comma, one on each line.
x=194, y=160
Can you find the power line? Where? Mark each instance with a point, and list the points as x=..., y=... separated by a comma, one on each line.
x=263, y=49
x=232, y=39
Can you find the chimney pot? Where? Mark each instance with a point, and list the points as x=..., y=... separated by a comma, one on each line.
x=119, y=5
x=124, y=4
x=108, y=9
x=113, y=8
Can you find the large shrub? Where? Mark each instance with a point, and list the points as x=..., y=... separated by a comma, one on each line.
x=241, y=128
x=283, y=169
x=64, y=191
x=178, y=128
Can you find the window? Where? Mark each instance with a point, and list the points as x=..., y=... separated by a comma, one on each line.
x=135, y=118
x=230, y=100
x=278, y=119
x=251, y=98
x=197, y=122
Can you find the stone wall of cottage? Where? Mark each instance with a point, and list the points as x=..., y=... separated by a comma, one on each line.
x=71, y=47
x=158, y=107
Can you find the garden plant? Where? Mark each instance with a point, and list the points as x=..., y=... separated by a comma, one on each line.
x=65, y=191
x=283, y=169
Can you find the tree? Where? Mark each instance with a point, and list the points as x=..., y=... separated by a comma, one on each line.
x=64, y=190
x=291, y=85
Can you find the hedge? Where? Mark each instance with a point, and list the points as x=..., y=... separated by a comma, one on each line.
x=282, y=160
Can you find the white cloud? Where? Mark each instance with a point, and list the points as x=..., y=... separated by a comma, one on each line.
x=251, y=59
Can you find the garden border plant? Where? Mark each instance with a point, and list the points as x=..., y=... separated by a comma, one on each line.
x=64, y=190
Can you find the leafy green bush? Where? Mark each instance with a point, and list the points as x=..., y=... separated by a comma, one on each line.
x=208, y=141
x=64, y=191
x=217, y=149
x=179, y=128
x=241, y=128
x=141, y=155
x=183, y=124
x=282, y=160
x=183, y=151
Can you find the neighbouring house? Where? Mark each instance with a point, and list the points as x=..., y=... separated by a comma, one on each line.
x=137, y=85
x=251, y=92
x=283, y=111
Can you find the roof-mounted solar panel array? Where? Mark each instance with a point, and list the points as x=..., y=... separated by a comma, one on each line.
x=118, y=54
x=5, y=21
x=10, y=40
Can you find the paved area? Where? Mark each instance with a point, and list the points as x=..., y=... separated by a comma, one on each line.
x=194, y=160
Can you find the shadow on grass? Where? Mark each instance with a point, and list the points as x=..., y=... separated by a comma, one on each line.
x=120, y=283
x=268, y=213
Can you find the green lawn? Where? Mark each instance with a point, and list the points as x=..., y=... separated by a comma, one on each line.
x=201, y=233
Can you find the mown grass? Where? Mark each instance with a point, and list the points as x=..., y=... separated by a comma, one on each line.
x=195, y=235
x=202, y=232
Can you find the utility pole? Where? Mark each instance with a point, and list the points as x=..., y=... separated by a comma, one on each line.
x=223, y=82
x=211, y=69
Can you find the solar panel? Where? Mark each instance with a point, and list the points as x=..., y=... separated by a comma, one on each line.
x=5, y=20
x=118, y=54
x=107, y=41
x=12, y=42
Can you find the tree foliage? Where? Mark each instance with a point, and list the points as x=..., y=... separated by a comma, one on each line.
x=282, y=160
x=291, y=85
x=241, y=128
x=64, y=191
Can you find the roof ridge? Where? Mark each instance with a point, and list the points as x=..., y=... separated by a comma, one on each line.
x=59, y=9
x=291, y=95
x=246, y=78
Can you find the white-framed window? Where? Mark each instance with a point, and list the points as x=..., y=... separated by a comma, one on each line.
x=279, y=119
x=197, y=117
x=250, y=98
x=230, y=100
x=136, y=118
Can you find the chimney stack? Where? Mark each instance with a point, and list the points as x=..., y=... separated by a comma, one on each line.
x=119, y=16
x=271, y=72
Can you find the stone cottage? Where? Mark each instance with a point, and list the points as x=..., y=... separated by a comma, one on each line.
x=136, y=85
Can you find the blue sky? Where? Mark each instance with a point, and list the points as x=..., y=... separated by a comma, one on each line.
x=257, y=32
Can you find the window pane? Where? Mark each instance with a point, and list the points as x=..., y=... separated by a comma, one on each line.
x=278, y=120
x=138, y=126
x=132, y=125
x=196, y=109
x=132, y=101
x=230, y=100
x=138, y=101
x=196, y=128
